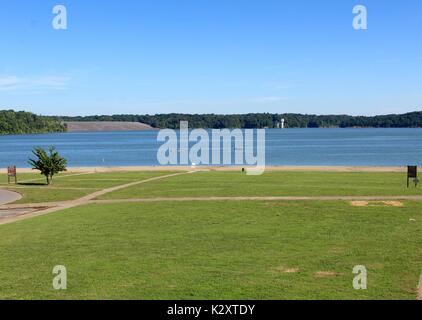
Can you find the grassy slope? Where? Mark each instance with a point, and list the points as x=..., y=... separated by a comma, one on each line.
x=272, y=184
x=214, y=250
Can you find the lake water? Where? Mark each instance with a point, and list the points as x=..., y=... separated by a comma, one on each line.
x=330, y=147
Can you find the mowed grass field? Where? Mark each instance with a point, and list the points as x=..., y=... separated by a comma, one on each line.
x=220, y=249
x=70, y=186
x=225, y=184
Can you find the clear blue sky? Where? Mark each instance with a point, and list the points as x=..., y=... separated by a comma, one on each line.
x=211, y=56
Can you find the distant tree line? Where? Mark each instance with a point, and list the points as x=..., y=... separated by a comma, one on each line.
x=12, y=122
x=21, y=122
x=264, y=120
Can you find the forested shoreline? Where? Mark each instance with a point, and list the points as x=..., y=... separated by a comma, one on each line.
x=264, y=120
x=20, y=122
x=12, y=122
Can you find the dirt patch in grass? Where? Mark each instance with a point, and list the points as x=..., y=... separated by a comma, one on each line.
x=394, y=203
x=377, y=204
x=326, y=274
x=287, y=270
x=359, y=203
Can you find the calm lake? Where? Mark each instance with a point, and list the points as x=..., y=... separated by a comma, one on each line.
x=330, y=147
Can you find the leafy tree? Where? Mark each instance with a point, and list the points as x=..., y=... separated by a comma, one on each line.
x=12, y=122
x=48, y=163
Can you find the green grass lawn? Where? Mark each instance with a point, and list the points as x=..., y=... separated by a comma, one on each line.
x=70, y=187
x=214, y=250
x=272, y=184
x=213, y=184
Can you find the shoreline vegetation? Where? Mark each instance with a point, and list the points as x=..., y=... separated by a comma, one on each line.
x=262, y=120
x=77, y=170
x=21, y=122
x=13, y=122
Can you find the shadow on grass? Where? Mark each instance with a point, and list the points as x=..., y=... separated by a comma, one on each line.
x=28, y=184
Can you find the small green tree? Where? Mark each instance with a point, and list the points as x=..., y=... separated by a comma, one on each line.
x=48, y=163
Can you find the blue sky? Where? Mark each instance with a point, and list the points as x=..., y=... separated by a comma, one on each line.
x=211, y=56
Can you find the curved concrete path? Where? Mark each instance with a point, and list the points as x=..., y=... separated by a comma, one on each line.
x=38, y=209
x=7, y=196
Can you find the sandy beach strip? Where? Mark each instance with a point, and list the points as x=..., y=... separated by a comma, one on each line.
x=224, y=168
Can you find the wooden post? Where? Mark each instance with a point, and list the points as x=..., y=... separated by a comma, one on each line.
x=11, y=173
x=412, y=173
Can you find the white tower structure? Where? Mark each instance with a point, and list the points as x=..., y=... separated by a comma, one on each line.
x=282, y=123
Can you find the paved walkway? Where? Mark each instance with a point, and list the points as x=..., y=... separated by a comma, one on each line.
x=7, y=196
x=13, y=212
x=26, y=211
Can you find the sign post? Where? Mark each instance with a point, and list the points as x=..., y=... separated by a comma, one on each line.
x=412, y=173
x=11, y=174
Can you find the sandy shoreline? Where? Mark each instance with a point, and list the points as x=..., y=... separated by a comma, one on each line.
x=228, y=168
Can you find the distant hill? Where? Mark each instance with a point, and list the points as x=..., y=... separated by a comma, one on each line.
x=12, y=122
x=264, y=120
x=92, y=126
